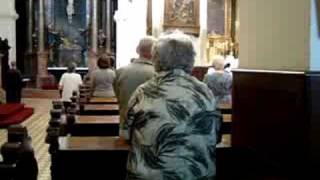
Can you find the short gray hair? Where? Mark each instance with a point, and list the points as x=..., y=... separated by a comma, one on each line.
x=174, y=51
x=145, y=45
x=218, y=62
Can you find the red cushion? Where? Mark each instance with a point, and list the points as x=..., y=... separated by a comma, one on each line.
x=8, y=109
x=50, y=87
x=17, y=118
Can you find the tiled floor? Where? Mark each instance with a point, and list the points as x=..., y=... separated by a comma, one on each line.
x=37, y=125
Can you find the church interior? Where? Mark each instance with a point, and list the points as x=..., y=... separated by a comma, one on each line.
x=267, y=126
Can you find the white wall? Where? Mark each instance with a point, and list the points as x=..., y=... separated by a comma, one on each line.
x=315, y=39
x=274, y=34
x=131, y=26
x=8, y=18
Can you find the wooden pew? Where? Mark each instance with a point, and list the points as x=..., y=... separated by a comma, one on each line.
x=226, y=111
x=19, y=161
x=68, y=150
x=85, y=102
x=82, y=125
x=85, y=154
x=99, y=109
x=84, y=158
x=90, y=126
x=103, y=100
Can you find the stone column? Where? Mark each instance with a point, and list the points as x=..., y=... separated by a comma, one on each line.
x=108, y=26
x=42, y=54
x=30, y=56
x=30, y=26
x=8, y=17
x=41, y=26
x=1, y=55
x=94, y=36
x=2, y=91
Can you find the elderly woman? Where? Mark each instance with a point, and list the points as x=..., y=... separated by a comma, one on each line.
x=220, y=81
x=172, y=120
x=102, y=79
x=69, y=82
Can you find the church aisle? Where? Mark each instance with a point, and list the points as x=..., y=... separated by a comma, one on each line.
x=36, y=126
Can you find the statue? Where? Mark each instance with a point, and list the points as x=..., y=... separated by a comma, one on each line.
x=70, y=10
x=101, y=38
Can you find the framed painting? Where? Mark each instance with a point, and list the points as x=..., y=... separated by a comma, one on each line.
x=182, y=15
x=221, y=28
x=219, y=17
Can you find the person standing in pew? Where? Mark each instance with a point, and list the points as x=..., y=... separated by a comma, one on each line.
x=172, y=120
x=102, y=78
x=69, y=82
x=220, y=81
x=128, y=78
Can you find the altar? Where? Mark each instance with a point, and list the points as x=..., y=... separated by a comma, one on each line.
x=70, y=31
x=78, y=31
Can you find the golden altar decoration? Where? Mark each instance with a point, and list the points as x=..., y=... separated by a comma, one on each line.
x=221, y=28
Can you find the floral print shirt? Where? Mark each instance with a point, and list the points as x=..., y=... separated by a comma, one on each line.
x=173, y=125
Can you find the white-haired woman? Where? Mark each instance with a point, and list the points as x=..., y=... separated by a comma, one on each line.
x=220, y=81
x=172, y=120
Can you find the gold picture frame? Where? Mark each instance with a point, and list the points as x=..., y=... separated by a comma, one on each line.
x=182, y=15
x=220, y=35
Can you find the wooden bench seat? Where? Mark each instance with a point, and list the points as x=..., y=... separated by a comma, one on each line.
x=103, y=100
x=105, y=157
x=99, y=109
x=226, y=111
x=98, y=143
x=84, y=158
x=92, y=126
x=225, y=108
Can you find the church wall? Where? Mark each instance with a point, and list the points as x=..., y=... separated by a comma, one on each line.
x=274, y=34
x=131, y=26
x=315, y=38
x=8, y=18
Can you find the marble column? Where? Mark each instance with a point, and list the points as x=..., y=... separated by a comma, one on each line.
x=29, y=62
x=30, y=26
x=108, y=25
x=42, y=54
x=1, y=55
x=94, y=36
x=41, y=26
x=2, y=91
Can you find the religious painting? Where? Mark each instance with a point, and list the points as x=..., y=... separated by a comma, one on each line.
x=182, y=15
x=219, y=17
